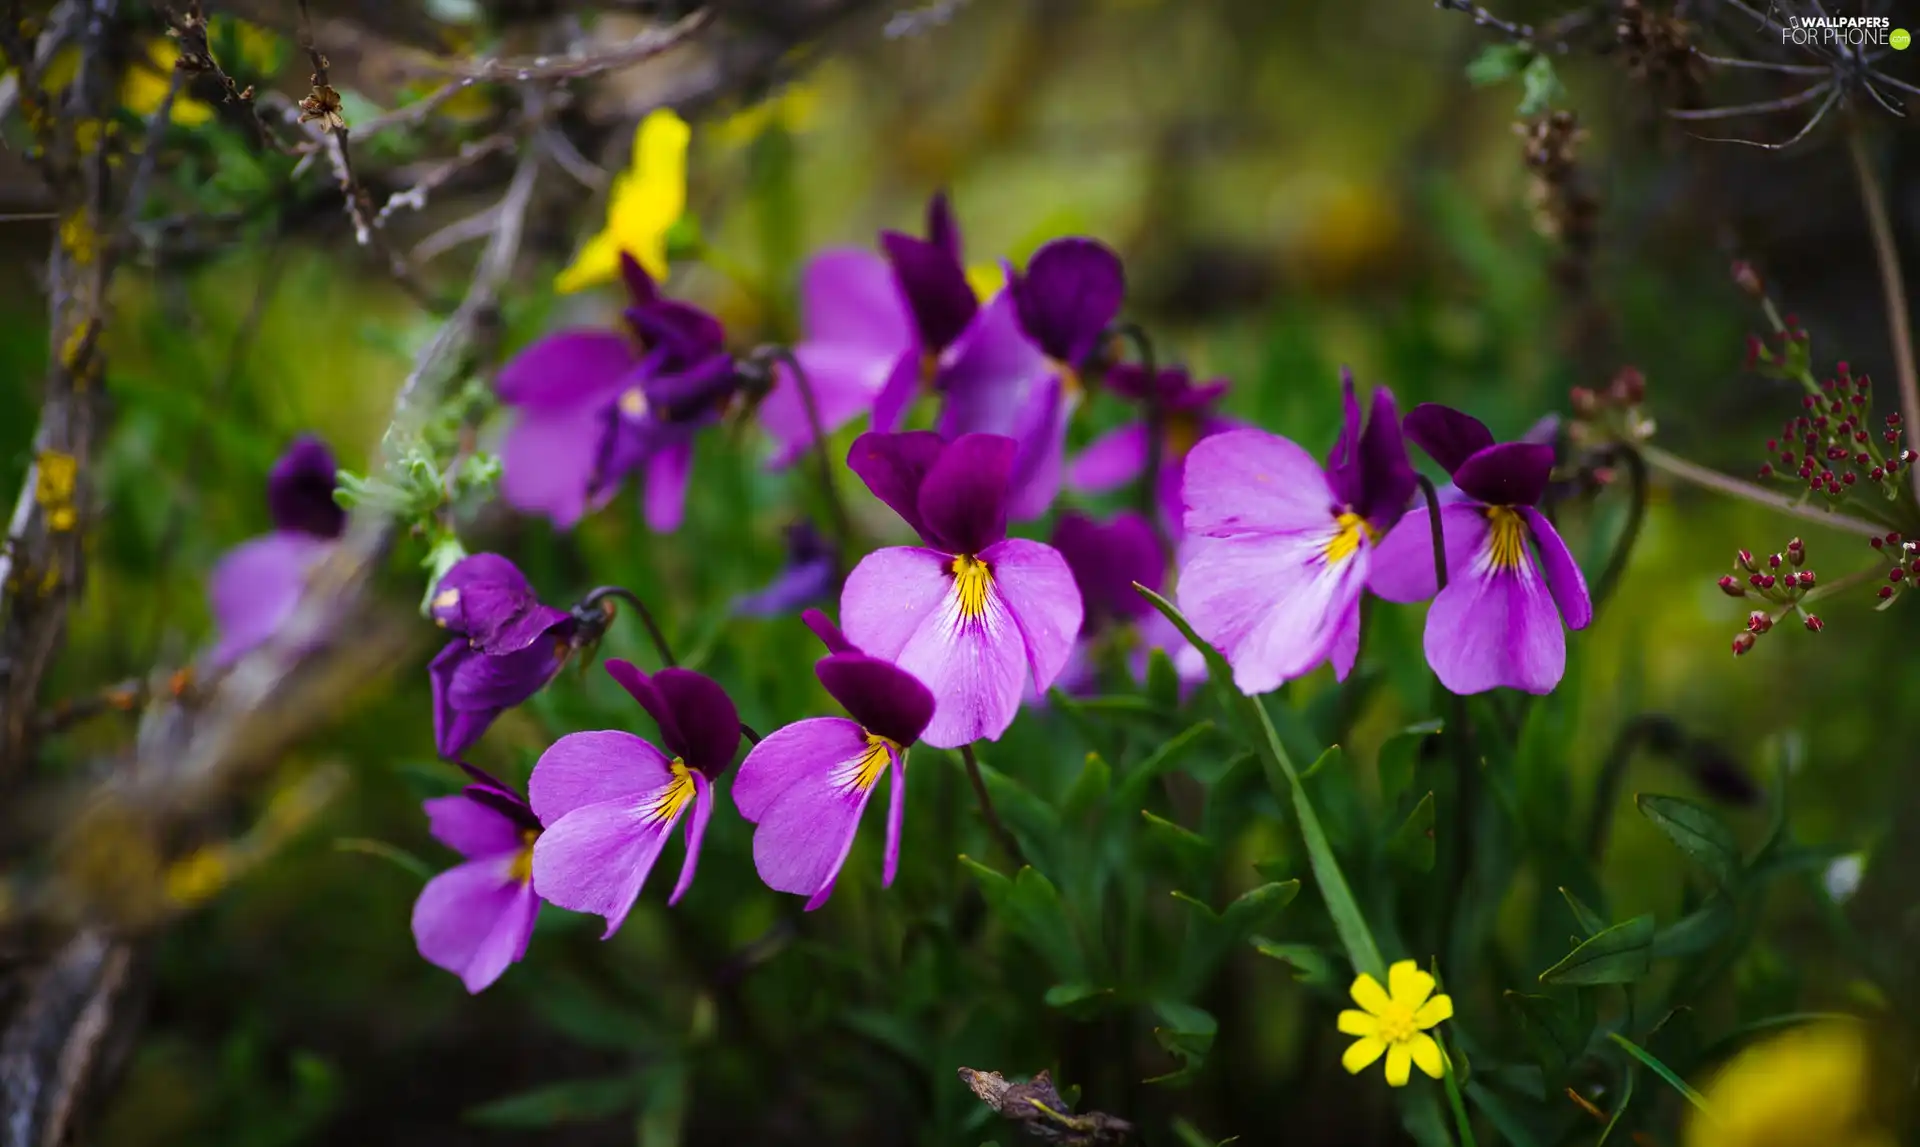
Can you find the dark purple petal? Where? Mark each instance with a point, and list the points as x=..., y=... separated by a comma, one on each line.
x=1343, y=462
x=693, y=392
x=506, y=803
x=1448, y=436
x=894, y=466
x=568, y=369
x=800, y=584
x=487, y=599
x=1387, y=478
x=256, y=587
x=708, y=722
x=500, y=682
x=641, y=289
x=643, y=690
x=455, y=729
x=300, y=490
x=1510, y=474
x=681, y=332
x=828, y=633
x=1107, y=559
x=1071, y=291
x=1563, y=575
x=963, y=499
x=942, y=231
x=988, y=376
x=935, y=284
x=884, y=698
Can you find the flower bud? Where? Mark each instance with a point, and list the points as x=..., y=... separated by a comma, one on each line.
x=1744, y=559
x=1742, y=644
x=1748, y=280
x=1797, y=552
x=1814, y=624
x=1758, y=622
x=1886, y=591
x=1584, y=401
x=1731, y=587
x=1629, y=386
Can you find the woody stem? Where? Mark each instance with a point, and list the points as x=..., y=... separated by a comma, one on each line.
x=1892, y=286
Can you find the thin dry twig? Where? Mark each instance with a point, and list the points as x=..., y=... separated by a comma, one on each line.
x=1893, y=286
x=530, y=69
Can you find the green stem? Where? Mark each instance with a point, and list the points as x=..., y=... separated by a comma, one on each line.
x=1460, y=1120
x=987, y=813
x=1439, y=534
x=1678, y=467
x=1892, y=287
x=837, y=510
x=1609, y=578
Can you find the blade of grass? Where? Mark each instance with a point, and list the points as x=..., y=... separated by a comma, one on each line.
x=1698, y=1100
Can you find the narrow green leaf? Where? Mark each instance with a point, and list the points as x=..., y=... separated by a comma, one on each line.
x=1412, y=843
x=1591, y=922
x=570, y=1102
x=1697, y=832
x=1310, y=965
x=1664, y=1072
x=1553, y=1031
x=1079, y=1000
x=1191, y=1136
x=1190, y=853
x=1509, y=1125
x=1618, y=955
x=1697, y=931
x=1399, y=758
x=1166, y=758
x=1187, y=1033
x=1163, y=680
x=1088, y=789
x=1033, y=820
x=1348, y=921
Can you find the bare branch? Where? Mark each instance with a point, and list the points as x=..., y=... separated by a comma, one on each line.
x=528, y=69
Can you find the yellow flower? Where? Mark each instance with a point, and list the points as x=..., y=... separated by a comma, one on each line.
x=1804, y=1088
x=647, y=200
x=142, y=86
x=986, y=279
x=794, y=109
x=1395, y=1025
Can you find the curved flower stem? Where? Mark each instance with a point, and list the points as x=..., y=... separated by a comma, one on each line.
x=603, y=593
x=1609, y=578
x=1720, y=483
x=1439, y=534
x=1156, y=419
x=1454, y=1101
x=1892, y=287
x=1007, y=843
x=842, y=524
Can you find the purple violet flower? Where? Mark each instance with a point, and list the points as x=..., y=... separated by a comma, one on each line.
x=1281, y=549
x=1510, y=580
x=807, y=784
x=1019, y=372
x=475, y=918
x=256, y=586
x=594, y=406
x=878, y=331
x=508, y=647
x=1106, y=561
x=1120, y=455
x=609, y=800
x=810, y=575
x=971, y=612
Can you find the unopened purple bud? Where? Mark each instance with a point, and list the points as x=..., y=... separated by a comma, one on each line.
x=1758, y=622
x=1742, y=644
x=1744, y=559
x=1886, y=591
x=1814, y=624
x=1731, y=587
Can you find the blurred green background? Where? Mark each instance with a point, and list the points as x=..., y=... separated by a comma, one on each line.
x=1295, y=187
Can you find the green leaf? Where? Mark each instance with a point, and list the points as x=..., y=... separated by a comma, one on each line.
x=1187, y=1033
x=1348, y=921
x=1399, y=758
x=1617, y=955
x=1080, y=1000
x=1191, y=1136
x=1541, y=87
x=1496, y=63
x=1697, y=832
x=1663, y=1071
x=1412, y=844
x=1591, y=922
x=571, y=1102
x=1030, y=907
x=1033, y=820
x=1553, y=1031
x=1503, y=1118
x=1697, y=931
x=1088, y=789
x=1163, y=680
x=1166, y=758
x=1310, y=965
x=1190, y=853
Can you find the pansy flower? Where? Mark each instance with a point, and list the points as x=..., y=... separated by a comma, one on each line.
x=474, y=919
x=1107, y=559
x=878, y=331
x=807, y=784
x=257, y=585
x=1280, y=548
x=1018, y=372
x=609, y=800
x=971, y=612
x=647, y=199
x=1510, y=580
x=811, y=575
x=507, y=647
x=593, y=406
x=1120, y=455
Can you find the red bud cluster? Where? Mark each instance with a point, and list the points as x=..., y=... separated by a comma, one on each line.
x=1780, y=580
x=1611, y=414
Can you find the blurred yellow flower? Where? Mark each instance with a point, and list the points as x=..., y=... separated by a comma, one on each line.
x=986, y=279
x=1804, y=1088
x=1395, y=1023
x=648, y=198
x=145, y=85
x=793, y=109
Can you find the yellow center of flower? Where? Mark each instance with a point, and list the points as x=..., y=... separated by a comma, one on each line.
x=1182, y=431
x=675, y=796
x=1071, y=386
x=1508, y=545
x=1346, y=542
x=972, y=582
x=863, y=772
x=521, y=871
x=633, y=403
x=929, y=369
x=1396, y=1023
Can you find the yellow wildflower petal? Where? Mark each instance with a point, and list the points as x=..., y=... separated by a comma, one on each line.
x=1368, y=993
x=1426, y=1053
x=1361, y=1055
x=1408, y=985
x=986, y=279
x=1433, y=1011
x=61, y=69
x=647, y=200
x=1358, y=1023
x=1804, y=1086
x=1399, y=1065
x=596, y=263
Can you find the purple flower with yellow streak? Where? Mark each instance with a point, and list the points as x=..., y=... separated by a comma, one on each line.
x=879, y=329
x=1018, y=374
x=593, y=406
x=971, y=612
x=475, y=918
x=1281, y=549
x=507, y=647
x=257, y=585
x=806, y=785
x=609, y=800
x=1120, y=456
x=1510, y=580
